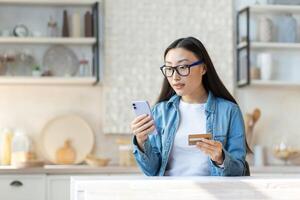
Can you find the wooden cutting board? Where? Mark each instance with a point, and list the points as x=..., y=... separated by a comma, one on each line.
x=66, y=155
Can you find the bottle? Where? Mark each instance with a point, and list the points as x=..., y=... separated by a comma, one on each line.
x=7, y=135
x=76, y=24
x=52, y=30
x=65, y=29
x=88, y=24
x=21, y=146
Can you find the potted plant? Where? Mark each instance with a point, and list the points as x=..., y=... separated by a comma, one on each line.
x=36, y=71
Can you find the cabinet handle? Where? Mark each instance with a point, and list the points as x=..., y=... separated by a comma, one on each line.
x=16, y=184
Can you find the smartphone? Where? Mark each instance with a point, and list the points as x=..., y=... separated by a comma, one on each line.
x=194, y=138
x=143, y=107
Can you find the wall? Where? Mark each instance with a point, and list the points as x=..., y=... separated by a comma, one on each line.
x=136, y=34
x=280, y=116
x=279, y=104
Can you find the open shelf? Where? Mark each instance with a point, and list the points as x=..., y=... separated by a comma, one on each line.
x=274, y=83
x=49, y=2
x=47, y=40
x=47, y=80
x=248, y=49
x=263, y=9
x=270, y=45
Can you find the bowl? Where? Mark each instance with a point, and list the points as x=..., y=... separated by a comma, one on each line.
x=285, y=153
x=96, y=161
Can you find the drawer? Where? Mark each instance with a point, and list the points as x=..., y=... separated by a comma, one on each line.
x=22, y=187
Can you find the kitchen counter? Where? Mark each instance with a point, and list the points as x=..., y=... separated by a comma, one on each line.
x=69, y=169
x=189, y=188
x=85, y=169
x=275, y=169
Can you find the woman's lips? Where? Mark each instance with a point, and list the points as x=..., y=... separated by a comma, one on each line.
x=178, y=86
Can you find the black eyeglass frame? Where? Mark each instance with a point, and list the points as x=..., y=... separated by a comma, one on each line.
x=175, y=68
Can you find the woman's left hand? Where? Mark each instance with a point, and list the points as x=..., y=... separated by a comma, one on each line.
x=213, y=149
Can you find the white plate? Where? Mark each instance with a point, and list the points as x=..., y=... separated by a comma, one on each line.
x=61, y=61
x=59, y=129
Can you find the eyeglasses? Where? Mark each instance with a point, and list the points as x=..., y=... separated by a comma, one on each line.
x=182, y=70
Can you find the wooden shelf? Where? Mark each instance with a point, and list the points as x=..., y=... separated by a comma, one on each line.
x=49, y=2
x=270, y=45
x=47, y=80
x=46, y=40
x=274, y=83
x=273, y=9
x=274, y=45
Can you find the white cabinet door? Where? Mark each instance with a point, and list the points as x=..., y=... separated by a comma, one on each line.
x=22, y=187
x=58, y=187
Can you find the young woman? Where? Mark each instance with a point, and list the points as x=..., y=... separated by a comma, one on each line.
x=193, y=100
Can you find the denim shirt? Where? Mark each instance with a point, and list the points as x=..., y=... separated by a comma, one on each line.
x=224, y=121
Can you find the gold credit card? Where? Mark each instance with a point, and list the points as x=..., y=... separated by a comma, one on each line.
x=194, y=138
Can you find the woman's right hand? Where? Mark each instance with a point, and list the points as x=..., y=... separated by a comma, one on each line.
x=141, y=126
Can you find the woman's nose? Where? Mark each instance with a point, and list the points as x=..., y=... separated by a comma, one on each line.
x=176, y=76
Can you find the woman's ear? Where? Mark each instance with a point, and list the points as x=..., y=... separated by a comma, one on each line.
x=204, y=69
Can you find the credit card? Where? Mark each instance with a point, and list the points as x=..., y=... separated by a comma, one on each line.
x=194, y=138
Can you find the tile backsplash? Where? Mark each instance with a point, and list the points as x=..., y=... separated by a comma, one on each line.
x=136, y=35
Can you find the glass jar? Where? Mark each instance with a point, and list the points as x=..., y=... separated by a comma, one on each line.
x=84, y=68
x=21, y=147
x=125, y=155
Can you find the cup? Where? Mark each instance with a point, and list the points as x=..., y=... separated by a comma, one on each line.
x=259, y=156
x=266, y=64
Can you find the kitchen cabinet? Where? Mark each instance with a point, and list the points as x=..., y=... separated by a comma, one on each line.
x=264, y=57
x=22, y=187
x=51, y=182
x=58, y=187
x=35, y=15
x=35, y=187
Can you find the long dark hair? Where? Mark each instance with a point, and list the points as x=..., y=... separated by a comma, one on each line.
x=211, y=81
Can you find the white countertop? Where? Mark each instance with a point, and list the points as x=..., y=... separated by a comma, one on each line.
x=187, y=188
x=70, y=169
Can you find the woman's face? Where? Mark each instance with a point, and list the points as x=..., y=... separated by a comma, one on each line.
x=185, y=85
